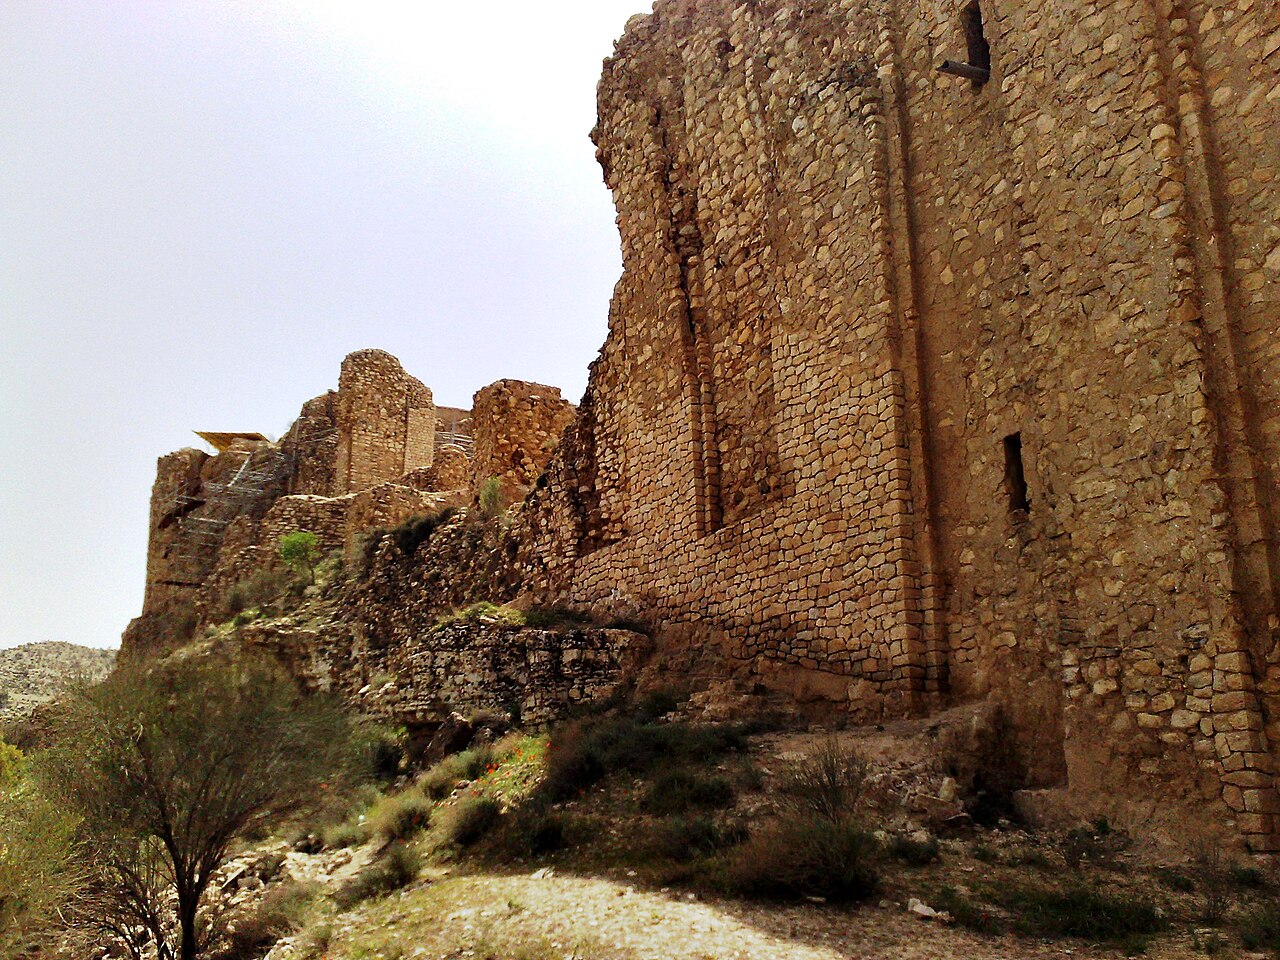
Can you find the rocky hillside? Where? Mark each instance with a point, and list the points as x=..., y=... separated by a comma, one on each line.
x=33, y=673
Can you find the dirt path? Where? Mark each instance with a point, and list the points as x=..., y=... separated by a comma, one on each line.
x=539, y=917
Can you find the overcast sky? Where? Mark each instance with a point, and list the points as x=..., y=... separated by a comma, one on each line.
x=206, y=204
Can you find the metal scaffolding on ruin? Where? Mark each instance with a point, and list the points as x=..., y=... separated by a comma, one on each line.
x=463, y=440
x=205, y=515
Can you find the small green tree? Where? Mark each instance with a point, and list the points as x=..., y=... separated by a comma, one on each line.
x=38, y=876
x=300, y=551
x=490, y=496
x=167, y=767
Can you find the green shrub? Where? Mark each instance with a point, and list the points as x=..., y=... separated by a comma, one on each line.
x=237, y=600
x=915, y=853
x=418, y=529
x=683, y=839
x=1030, y=858
x=398, y=816
x=583, y=752
x=263, y=590
x=382, y=752
x=1082, y=911
x=349, y=833
x=533, y=830
x=1260, y=928
x=396, y=868
x=39, y=864
x=440, y=780
x=546, y=618
x=467, y=820
x=966, y=911
x=1249, y=877
x=680, y=790
x=490, y=497
x=1215, y=882
x=805, y=856
x=986, y=854
x=1097, y=844
x=314, y=942
x=1175, y=880
x=300, y=552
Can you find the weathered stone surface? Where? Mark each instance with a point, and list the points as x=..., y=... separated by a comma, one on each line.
x=863, y=303
x=360, y=458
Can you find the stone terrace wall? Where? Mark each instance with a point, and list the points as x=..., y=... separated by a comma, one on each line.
x=516, y=427
x=918, y=391
x=326, y=517
x=386, y=422
x=537, y=675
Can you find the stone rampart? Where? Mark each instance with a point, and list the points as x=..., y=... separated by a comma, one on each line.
x=921, y=390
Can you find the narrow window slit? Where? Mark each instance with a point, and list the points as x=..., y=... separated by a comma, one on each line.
x=976, y=38
x=977, y=69
x=1015, y=477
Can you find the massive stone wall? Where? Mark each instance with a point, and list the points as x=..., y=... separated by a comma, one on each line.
x=920, y=390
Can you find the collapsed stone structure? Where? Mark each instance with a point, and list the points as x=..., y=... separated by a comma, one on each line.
x=363, y=457
x=923, y=390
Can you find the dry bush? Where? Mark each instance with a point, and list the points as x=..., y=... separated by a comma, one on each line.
x=396, y=868
x=466, y=821
x=805, y=856
x=398, y=816
x=827, y=784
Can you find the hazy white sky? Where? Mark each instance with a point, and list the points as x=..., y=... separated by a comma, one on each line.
x=206, y=204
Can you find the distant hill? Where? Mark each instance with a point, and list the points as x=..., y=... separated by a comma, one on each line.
x=34, y=673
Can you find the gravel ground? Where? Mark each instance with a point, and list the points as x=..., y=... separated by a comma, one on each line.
x=540, y=917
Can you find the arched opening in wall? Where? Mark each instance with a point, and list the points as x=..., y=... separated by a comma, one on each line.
x=976, y=38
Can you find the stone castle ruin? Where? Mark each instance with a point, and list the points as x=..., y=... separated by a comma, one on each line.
x=921, y=388
x=372, y=454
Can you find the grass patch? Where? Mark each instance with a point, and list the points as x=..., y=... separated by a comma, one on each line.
x=913, y=852
x=583, y=753
x=1085, y=912
x=550, y=618
x=681, y=790
x=396, y=868
x=444, y=777
x=484, y=612
x=399, y=816
x=803, y=857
